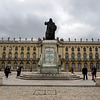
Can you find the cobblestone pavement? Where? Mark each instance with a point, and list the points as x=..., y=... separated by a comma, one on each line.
x=58, y=92
x=49, y=93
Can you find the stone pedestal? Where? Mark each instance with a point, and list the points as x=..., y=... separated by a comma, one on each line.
x=98, y=81
x=49, y=62
x=1, y=81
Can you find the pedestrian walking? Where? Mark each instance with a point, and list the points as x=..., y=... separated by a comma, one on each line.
x=19, y=70
x=72, y=70
x=94, y=71
x=84, y=72
x=7, y=71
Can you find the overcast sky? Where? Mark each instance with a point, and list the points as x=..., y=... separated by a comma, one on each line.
x=74, y=18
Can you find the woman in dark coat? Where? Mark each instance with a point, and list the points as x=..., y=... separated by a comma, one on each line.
x=7, y=70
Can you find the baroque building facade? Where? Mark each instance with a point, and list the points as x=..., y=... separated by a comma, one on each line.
x=76, y=54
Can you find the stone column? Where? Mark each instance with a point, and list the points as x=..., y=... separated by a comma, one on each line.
x=70, y=65
x=36, y=65
x=12, y=65
x=76, y=66
x=82, y=65
x=30, y=66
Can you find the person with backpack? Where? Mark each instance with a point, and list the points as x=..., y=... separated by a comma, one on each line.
x=94, y=70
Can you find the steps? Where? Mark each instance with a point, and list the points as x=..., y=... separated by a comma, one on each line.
x=66, y=76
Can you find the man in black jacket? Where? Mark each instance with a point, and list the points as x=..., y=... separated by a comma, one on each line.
x=84, y=72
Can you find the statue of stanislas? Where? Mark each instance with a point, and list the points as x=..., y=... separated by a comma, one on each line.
x=50, y=31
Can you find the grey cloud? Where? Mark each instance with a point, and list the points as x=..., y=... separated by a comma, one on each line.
x=25, y=18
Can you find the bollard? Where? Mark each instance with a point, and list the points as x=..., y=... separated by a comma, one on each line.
x=98, y=81
x=1, y=81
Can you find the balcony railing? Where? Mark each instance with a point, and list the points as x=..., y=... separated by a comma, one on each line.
x=82, y=59
x=18, y=58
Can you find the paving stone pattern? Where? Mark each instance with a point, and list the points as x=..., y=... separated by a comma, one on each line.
x=49, y=93
x=16, y=89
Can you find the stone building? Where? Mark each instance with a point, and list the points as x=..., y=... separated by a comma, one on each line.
x=71, y=53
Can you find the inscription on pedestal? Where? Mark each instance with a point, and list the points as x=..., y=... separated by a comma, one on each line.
x=49, y=55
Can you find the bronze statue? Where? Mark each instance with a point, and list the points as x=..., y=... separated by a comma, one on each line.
x=51, y=28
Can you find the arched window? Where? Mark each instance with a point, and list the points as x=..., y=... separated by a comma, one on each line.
x=22, y=48
x=73, y=65
x=27, y=65
x=21, y=63
x=66, y=48
x=96, y=56
x=34, y=48
x=9, y=64
x=3, y=65
x=85, y=64
x=78, y=49
x=28, y=55
x=4, y=55
x=4, y=48
x=15, y=65
x=34, y=66
x=66, y=56
x=96, y=49
x=34, y=55
x=72, y=49
x=91, y=66
x=90, y=56
x=73, y=56
x=97, y=66
x=22, y=55
x=84, y=56
x=78, y=56
x=10, y=55
x=16, y=48
x=79, y=66
x=10, y=48
x=84, y=49
x=67, y=66
x=90, y=49
x=16, y=55
x=28, y=48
